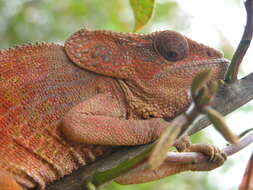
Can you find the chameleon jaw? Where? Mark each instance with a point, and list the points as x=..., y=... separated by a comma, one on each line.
x=217, y=65
x=201, y=65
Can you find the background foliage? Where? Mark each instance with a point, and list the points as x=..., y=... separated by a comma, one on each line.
x=23, y=21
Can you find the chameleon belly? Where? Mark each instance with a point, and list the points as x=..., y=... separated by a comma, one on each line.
x=38, y=85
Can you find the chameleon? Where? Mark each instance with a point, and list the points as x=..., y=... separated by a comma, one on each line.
x=65, y=106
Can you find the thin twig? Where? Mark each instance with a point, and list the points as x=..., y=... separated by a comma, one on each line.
x=197, y=157
x=175, y=159
x=190, y=157
x=245, y=132
x=231, y=75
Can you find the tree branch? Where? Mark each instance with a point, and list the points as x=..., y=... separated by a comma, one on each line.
x=197, y=157
x=231, y=75
x=190, y=157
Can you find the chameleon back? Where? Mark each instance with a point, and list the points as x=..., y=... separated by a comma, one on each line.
x=38, y=85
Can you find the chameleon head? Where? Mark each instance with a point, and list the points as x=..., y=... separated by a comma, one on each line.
x=183, y=59
x=158, y=68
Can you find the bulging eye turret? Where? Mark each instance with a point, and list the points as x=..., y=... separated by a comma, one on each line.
x=171, y=45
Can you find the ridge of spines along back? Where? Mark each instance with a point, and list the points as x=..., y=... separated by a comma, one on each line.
x=29, y=46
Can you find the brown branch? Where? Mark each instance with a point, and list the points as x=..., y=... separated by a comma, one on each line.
x=243, y=46
x=234, y=148
x=190, y=157
x=173, y=159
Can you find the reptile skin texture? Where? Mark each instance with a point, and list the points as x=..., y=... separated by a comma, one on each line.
x=139, y=78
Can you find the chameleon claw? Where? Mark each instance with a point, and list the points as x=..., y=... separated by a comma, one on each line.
x=183, y=143
x=216, y=156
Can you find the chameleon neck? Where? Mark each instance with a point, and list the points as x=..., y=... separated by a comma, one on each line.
x=144, y=103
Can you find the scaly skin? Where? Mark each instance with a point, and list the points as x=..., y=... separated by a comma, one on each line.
x=101, y=88
x=39, y=84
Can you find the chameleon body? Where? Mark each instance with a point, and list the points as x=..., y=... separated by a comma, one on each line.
x=64, y=106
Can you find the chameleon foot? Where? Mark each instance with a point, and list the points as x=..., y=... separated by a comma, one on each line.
x=183, y=143
x=142, y=175
x=216, y=157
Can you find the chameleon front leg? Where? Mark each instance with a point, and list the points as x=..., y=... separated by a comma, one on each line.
x=7, y=182
x=100, y=120
x=140, y=175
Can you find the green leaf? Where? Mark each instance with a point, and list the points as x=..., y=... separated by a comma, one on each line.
x=199, y=81
x=143, y=10
x=90, y=186
x=166, y=141
x=110, y=174
x=220, y=125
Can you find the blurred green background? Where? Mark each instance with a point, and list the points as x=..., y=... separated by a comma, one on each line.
x=23, y=21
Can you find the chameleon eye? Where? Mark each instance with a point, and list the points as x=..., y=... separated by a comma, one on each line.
x=171, y=45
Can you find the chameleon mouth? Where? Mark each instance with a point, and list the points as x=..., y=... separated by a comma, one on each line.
x=186, y=72
x=202, y=64
x=217, y=65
